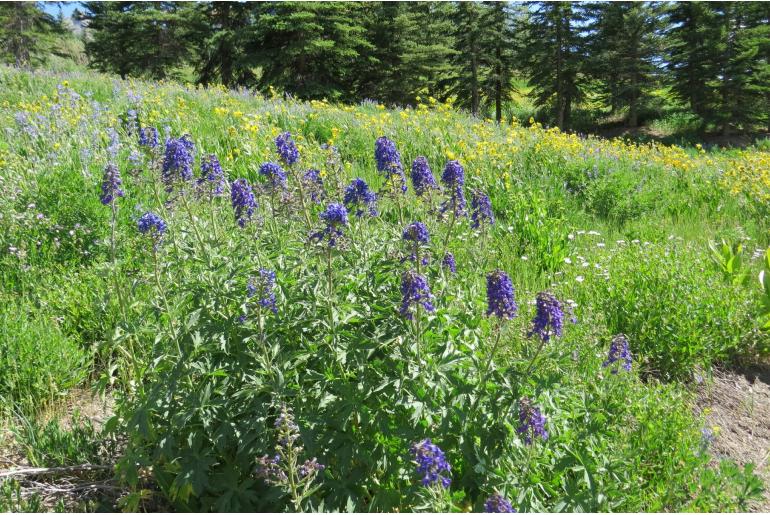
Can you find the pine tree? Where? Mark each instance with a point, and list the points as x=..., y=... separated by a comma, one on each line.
x=222, y=55
x=625, y=44
x=554, y=56
x=498, y=44
x=309, y=49
x=25, y=32
x=412, y=47
x=140, y=38
x=739, y=95
x=691, y=39
x=469, y=35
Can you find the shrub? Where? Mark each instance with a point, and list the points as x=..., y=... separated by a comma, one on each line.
x=678, y=312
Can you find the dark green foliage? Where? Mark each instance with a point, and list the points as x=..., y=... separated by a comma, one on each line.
x=554, y=56
x=623, y=50
x=222, y=55
x=412, y=47
x=652, y=302
x=140, y=38
x=309, y=49
x=26, y=33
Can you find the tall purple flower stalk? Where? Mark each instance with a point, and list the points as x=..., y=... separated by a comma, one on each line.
x=422, y=177
x=389, y=162
x=111, y=185
x=151, y=224
x=212, y=176
x=287, y=149
x=274, y=174
x=481, y=210
x=177, y=161
x=501, y=300
x=531, y=421
x=416, y=232
x=496, y=503
x=449, y=262
x=335, y=216
x=148, y=137
x=243, y=201
x=263, y=286
x=314, y=185
x=415, y=292
x=358, y=196
x=549, y=317
x=431, y=463
x=619, y=351
x=454, y=179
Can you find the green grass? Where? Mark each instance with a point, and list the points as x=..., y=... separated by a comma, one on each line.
x=617, y=231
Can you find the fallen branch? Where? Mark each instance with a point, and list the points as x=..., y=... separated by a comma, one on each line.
x=53, y=470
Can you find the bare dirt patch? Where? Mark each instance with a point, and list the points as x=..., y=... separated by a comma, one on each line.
x=737, y=404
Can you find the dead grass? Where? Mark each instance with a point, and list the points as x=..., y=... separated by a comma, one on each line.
x=736, y=404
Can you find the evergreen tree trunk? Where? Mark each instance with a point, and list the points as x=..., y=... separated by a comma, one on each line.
x=499, y=86
x=560, y=100
x=474, y=82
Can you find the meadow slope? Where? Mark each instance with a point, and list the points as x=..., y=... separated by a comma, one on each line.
x=528, y=333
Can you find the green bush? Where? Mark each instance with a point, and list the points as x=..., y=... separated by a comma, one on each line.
x=677, y=311
x=38, y=362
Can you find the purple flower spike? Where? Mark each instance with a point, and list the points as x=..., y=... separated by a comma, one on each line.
x=431, y=463
x=501, y=300
x=531, y=421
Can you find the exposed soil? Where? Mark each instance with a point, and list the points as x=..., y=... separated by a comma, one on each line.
x=738, y=404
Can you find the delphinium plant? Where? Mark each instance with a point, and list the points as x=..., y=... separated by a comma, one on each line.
x=285, y=469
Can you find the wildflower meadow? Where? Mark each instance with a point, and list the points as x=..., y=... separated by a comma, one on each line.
x=311, y=306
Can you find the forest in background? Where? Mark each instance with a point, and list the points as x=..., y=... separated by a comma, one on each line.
x=699, y=67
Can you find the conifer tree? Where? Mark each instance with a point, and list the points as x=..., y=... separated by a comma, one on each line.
x=140, y=38
x=309, y=49
x=554, y=56
x=498, y=46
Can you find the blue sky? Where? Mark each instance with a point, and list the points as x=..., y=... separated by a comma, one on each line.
x=66, y=7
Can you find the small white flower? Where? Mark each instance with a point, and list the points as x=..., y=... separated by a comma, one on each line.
x=593, y=233
x=585, y=264
x=580, y=278
x=620, y=242
x=634, y=241
x=524, y=258
x=600, y=244
x=568, y=260
x=570, y=236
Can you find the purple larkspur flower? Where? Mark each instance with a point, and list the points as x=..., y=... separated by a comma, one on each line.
x=212, y=175
x=148, y=137
x=177, y=161
x=531, y=421
x=114, y=145
x=269, y=469
x=422, y=177
x=287, y=149
x=549, y=317
x=359, y=196
x=449, y=262
x=314, y=184
x=111, y=185
x=243, y=201
x=389, y=162
x=454, y=179
x=501, y=300
x=416, y=232
x=415, y=292
x=496, y=503
x=619, y=351
x=431, y=463
x=335, y=216
x=275, y=175
x=263, y=286
x=481, y=209
x=151, y=224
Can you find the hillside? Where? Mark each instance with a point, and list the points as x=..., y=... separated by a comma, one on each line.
x=524, y=317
